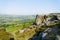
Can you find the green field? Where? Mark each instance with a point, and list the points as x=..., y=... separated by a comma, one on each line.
x=12, y=23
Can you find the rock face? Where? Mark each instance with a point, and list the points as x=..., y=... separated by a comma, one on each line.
x=40, y=19
x=48, y=34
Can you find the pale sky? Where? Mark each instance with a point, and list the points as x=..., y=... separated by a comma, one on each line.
x=29, y=7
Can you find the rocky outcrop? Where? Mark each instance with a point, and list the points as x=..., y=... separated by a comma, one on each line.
x=45, y=19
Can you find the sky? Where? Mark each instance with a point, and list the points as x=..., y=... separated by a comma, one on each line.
x=29, y=7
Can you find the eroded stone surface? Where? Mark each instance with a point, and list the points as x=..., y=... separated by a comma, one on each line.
x=45, y=19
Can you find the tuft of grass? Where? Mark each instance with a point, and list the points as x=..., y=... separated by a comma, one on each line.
x=4, y=35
